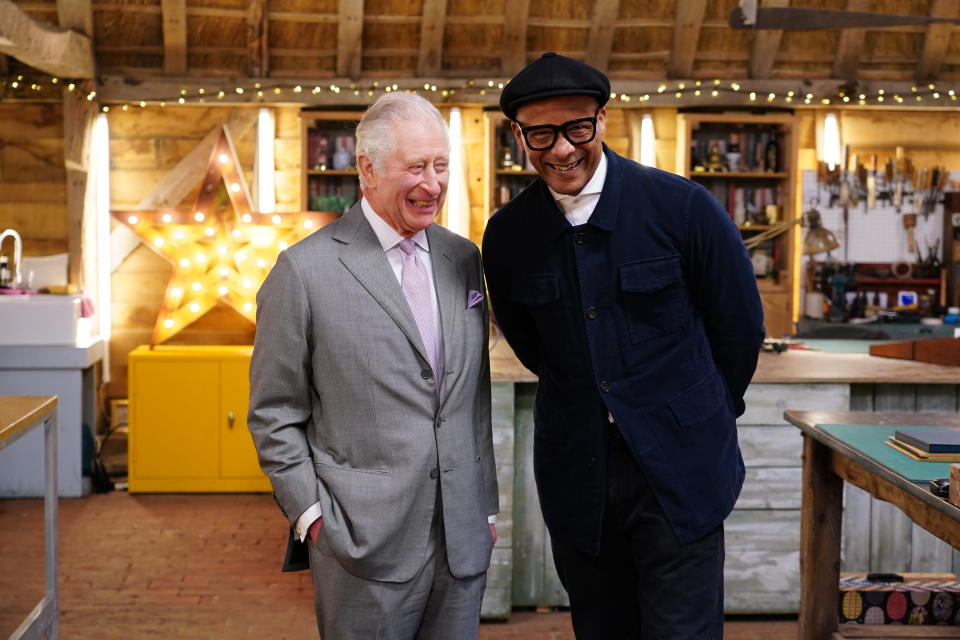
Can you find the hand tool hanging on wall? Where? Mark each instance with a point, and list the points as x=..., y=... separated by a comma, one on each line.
x=909, y=223
x=920, y=181
x=872, y=186
x=898, y=177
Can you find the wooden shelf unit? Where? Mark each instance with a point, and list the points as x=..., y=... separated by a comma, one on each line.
x=326, y=183
x=503, y=182
x=751, y=186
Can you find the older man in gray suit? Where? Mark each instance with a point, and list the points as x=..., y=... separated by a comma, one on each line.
x=370, y=396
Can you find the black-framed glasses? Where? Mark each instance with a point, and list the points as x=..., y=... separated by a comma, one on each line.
x=541, y=137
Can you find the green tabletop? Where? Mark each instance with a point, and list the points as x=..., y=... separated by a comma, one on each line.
x=869, y=440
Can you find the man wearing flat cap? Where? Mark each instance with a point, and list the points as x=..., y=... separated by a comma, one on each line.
x=628, y=291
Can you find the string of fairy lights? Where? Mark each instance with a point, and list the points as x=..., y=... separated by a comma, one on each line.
x=16, y=87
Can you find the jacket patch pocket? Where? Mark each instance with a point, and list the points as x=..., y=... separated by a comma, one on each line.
x=536, y=290
x=700, y=402
x=650, y=295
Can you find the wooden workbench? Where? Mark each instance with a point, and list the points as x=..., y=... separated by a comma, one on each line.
x=18, y=416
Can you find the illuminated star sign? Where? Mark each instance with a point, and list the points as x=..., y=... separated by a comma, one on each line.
x=220, y=249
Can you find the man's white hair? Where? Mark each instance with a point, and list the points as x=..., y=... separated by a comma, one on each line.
x=375, y=132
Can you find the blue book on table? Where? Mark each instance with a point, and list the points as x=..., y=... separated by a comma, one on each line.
x=931, y=440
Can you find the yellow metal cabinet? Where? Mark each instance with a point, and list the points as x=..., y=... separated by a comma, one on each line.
x=188, y=420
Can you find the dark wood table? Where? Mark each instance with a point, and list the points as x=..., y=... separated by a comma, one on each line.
x=827, y=462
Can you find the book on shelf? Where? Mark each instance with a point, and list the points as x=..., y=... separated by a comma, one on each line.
x=931, y=440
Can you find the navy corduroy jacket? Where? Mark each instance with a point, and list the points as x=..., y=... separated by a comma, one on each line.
x=649, y=311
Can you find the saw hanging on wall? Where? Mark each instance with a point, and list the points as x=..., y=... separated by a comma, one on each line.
x=750, y=16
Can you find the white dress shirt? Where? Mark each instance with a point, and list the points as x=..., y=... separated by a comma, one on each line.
x=389, y=239
x=578, y=209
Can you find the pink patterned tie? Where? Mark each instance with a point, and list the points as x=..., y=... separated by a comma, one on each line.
x=416, y=289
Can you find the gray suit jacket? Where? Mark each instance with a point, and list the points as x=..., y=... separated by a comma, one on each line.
x=343, y=409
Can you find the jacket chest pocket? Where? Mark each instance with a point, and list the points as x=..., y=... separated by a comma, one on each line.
x=536, y=291
x=651, y=296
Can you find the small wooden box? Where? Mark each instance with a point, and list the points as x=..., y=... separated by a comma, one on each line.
x=955, y=485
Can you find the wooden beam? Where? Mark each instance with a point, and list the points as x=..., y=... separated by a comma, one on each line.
x=350, y=38
x=78, y=117
x=936, y=40
x=851, y=45
x=60, y=52
x=76, y=15
x=686, y=33
x=3, y=65
x=600, y=41
x=431, y=37
x=175, y=186
x=174, y=37
x=258, y=55
x=515, y=37
x=766, y=43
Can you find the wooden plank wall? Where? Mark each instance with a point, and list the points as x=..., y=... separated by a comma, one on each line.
x=146, y=143
x=878, y=536
x=33, y=191
x=497, y=597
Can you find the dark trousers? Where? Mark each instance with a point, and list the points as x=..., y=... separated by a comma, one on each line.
x=644, y=584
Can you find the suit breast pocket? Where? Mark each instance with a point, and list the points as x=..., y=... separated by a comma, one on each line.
x=652, y=297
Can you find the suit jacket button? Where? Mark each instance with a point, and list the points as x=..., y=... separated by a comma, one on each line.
x=580, y=237
x=426, y=374
x=604, y=386
x=592, y=313
x=591, y=463
x=434, y=473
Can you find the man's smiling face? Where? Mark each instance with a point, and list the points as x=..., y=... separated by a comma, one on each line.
x=565, y=167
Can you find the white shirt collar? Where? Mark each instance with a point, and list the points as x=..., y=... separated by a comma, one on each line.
x=387, y=235
x=593, y=186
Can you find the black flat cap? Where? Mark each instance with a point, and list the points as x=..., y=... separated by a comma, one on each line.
x=550, y=76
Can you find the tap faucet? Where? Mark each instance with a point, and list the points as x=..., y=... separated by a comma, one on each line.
x=17, y=251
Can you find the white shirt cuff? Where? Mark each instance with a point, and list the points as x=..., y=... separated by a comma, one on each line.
x=492, y=519
x=306, y=519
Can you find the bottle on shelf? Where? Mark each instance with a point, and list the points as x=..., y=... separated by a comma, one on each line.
x=733, y=152
x=771, y=154
x=321, y=161
x=343, y=156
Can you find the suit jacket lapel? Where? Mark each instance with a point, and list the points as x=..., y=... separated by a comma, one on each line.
x=450, y=294
x=363, y=256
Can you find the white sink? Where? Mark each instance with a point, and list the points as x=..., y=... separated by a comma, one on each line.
x=39, y=319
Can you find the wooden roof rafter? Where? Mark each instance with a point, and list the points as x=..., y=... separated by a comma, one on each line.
x=430, y=55
x=600, y=40
x=350, y=38
x=686, y=33
x=76, y=15
x=41, y=45
x=258, y=54
x=850, y=47
x=936, y=40
x=515, y=21
x=766, y=43
x=174, y=37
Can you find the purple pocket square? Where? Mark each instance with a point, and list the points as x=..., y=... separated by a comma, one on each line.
x=473, y=298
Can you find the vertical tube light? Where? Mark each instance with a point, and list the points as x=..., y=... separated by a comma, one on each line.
x=648, y=142
x=266, y=135
x=458, y=205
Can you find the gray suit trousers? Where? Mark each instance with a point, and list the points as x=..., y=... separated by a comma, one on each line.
x=433, y=605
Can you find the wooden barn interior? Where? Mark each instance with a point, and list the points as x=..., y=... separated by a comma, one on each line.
x=117, y=117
